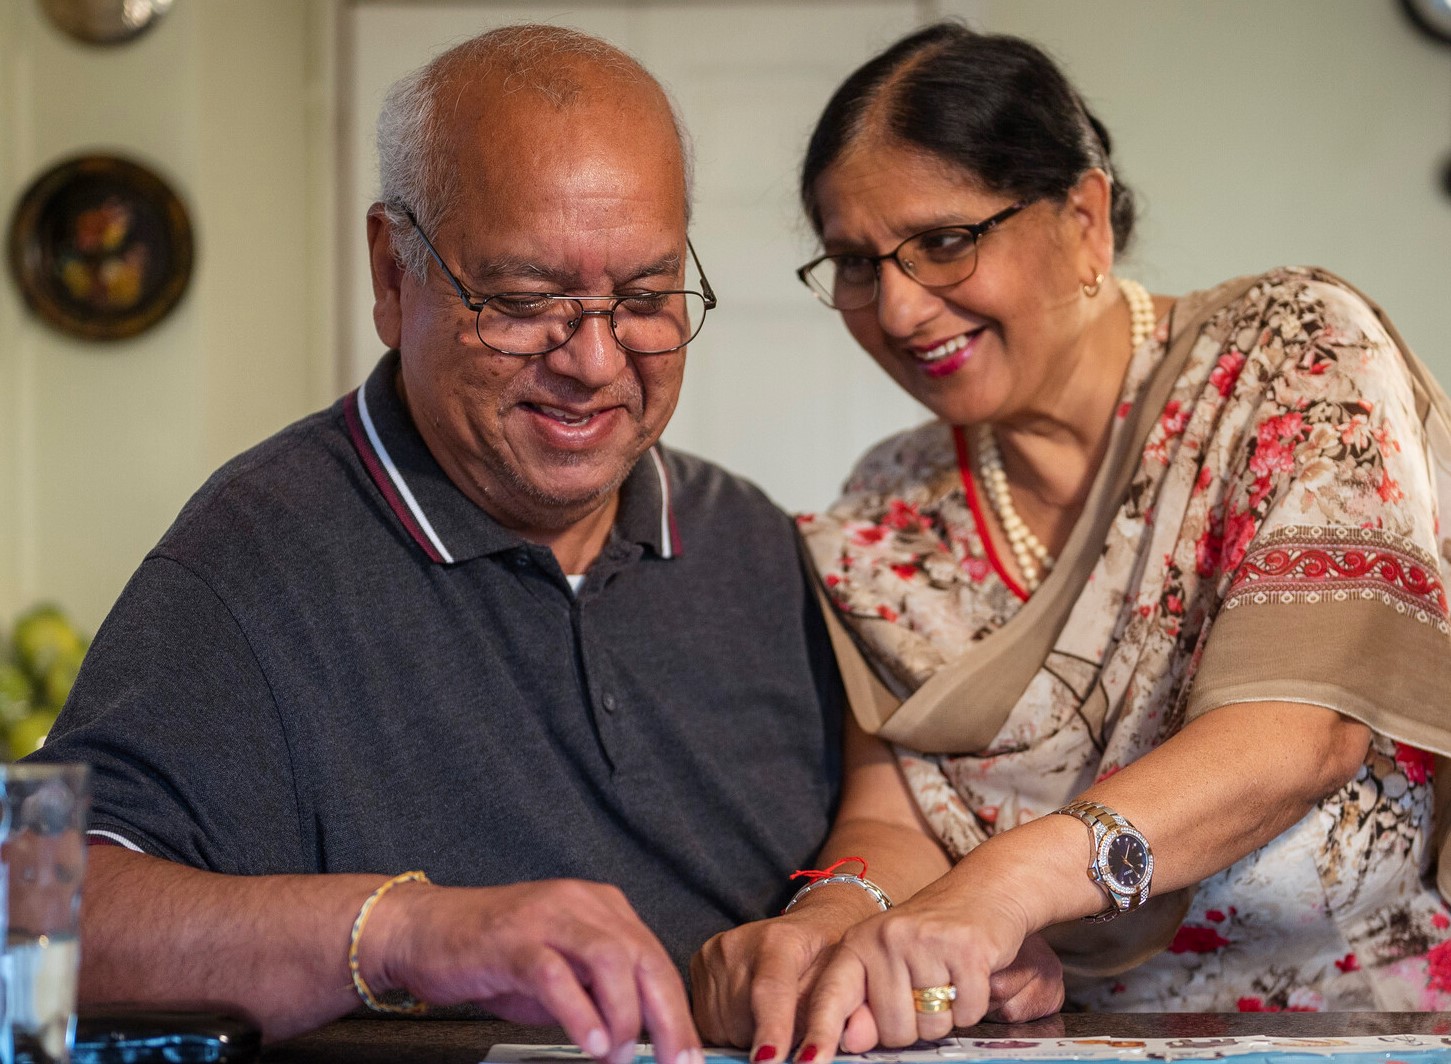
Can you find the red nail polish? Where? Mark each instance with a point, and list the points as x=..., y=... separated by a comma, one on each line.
x=764, y=1053
x=807, y=1055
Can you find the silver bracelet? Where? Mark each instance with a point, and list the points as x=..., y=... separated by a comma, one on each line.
x=878, y=894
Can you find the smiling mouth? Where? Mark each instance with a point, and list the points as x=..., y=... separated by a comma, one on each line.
x=944, y=350
x=946, y=358
x=564, y=417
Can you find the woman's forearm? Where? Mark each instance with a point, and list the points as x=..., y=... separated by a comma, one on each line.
x=1226, y=785
x=878, y=821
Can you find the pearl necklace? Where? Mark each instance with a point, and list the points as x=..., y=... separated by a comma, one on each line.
x=1141, y=311
x=1028, y=550
x=1031, y=556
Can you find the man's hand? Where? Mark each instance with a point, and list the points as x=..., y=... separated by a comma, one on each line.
x=557, y=951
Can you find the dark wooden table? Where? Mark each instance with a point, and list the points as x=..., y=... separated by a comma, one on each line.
x=380, y=1041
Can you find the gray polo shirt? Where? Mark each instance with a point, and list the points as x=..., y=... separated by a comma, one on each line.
x=335, y=662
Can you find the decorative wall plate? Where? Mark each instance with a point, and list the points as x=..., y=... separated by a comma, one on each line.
x=101, y=247
x=104, y=21
x=1432, y=17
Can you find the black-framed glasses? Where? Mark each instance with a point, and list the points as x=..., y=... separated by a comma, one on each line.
x=935, y=258
x=536, y=323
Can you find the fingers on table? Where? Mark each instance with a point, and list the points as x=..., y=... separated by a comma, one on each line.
x=931, y=997
x=775, y=998
x=712, y=995
x=1030, y=987
x=603, y=975
x=667, y=1012
x=635, y=985
x=912, y=990
x=550, y=979
x=721, y=976
x=609, y=972
x=861, y=1031
x=840, y=991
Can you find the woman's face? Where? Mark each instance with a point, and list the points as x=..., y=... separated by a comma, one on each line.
x=1002, y=344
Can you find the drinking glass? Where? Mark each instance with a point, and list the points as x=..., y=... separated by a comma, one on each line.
x=43, y=811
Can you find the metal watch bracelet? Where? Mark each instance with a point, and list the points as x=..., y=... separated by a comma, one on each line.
x=1121, y=862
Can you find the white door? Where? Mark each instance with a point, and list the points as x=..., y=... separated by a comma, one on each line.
x=774, y=389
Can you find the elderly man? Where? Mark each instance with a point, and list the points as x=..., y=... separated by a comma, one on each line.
x=471, y=621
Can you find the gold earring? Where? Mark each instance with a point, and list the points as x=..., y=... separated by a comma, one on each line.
x=1091, y=290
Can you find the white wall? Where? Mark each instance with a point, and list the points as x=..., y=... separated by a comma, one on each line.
x=1258, y=132
x=1269, y=132
x=100, y=444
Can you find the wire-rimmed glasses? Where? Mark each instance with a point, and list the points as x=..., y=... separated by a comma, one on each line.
x=646, y=322
x=936, y=258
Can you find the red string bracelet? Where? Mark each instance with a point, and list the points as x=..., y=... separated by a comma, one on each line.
x=813, y=874
x=820, y=877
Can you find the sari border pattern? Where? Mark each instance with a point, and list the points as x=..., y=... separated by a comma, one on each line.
x=1301, y=564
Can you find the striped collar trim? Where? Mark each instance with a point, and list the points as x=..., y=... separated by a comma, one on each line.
x=669, y=537
x=389, y=480
x=404, y=502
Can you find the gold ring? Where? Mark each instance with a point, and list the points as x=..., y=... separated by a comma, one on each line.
x=929, y=999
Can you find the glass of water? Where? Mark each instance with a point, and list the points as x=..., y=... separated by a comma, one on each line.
x=43, y=854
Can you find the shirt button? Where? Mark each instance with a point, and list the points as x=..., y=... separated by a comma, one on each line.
x=521, y=560
x=608, y=701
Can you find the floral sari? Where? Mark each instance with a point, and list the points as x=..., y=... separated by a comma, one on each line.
x=1265, y=527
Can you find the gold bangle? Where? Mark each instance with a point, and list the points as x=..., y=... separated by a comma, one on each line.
x=408, y=1006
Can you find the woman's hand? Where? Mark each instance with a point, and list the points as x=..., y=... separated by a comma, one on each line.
x=751, y=984
x=748, y=984
x=974, y=939
x=1027, y=989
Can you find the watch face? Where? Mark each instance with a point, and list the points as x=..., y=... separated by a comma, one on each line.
x=1126, y=861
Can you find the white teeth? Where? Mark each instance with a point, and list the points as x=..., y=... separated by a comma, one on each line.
x=942, y=350
x=563, y=416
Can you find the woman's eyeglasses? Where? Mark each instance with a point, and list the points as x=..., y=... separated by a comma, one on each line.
x=936, y=258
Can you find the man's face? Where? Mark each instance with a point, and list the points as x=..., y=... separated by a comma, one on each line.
x=584, y=200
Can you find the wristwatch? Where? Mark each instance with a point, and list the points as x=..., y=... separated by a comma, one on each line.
x=1121, y=862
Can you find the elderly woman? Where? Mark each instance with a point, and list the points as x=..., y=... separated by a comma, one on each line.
x=1148, y=641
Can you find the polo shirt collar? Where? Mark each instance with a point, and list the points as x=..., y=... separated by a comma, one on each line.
x=442, y=521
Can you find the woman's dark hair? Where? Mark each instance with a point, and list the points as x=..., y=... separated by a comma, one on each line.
x=994, y=105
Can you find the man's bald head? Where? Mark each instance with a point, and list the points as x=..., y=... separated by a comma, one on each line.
x=497, y=79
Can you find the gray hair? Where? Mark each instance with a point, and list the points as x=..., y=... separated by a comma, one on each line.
x=411, y=173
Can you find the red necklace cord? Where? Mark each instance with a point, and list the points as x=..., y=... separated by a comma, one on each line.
x=964, y=470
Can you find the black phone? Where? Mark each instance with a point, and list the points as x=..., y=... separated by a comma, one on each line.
x=122, y=1034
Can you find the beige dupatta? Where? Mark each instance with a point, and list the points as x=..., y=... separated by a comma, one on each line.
x=993, y=673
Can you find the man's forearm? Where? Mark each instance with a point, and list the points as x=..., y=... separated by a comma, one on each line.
x=559, y=951
x=275, y=946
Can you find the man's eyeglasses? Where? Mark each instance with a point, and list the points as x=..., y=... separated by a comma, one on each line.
x=534, y=323
x=934, y=259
